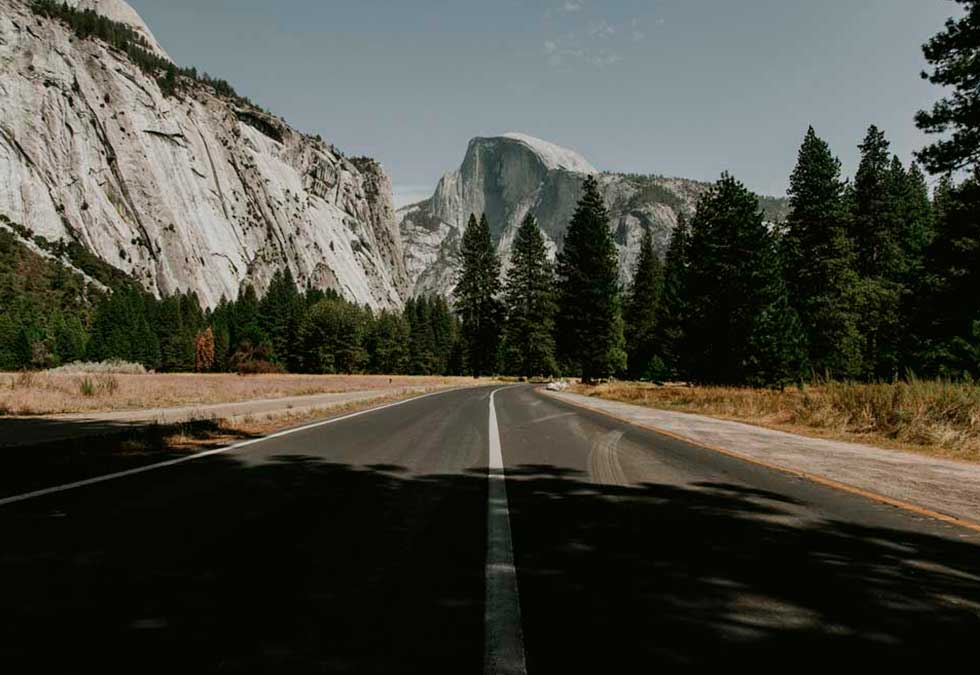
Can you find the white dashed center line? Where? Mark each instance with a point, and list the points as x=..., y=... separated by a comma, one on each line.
x=504, y=642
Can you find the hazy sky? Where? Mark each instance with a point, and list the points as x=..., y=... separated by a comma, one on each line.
x=679, y=87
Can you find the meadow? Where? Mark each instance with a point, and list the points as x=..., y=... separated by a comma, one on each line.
x=52, y=392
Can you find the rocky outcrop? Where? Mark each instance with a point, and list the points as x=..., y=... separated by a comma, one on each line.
x=185, y=192
x=511, y=176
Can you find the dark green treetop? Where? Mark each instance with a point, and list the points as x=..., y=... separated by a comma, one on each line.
x=954, y=55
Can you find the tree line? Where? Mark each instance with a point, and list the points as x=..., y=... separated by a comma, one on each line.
x=283, y=330
x=867, y=279
x=870, y=279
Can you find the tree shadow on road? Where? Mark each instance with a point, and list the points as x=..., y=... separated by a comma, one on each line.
x=294, y=564
x=79, y=449
x=714, y=574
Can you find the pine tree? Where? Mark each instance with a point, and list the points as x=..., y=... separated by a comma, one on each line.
x=333, y=337
x=121, y=329
x=819, y=262
x=873, y=225
x=389, y=344
x=876, y=230
x=950, y=307
x=422, y=340
x=642, y=305
x=669, y=361
x=69, y=338
x=918, y=220
x=220, y=322
x=529, y=303
x=741, y=328
x=246, y=330
x=948, y=316
x=278, y=315
x=590, y=325
x=172, y=334
x=943, y=198
x=444, y=333
x=955, y=57
x=476, y=293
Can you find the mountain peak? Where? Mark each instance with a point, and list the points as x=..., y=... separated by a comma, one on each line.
x=554, y=156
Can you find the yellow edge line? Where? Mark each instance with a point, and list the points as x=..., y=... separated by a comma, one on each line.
x=820, y=480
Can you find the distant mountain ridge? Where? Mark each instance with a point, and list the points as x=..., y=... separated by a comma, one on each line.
x=510, y=176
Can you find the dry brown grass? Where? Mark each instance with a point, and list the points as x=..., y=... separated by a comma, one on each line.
x=57, y=393
x=936, y=417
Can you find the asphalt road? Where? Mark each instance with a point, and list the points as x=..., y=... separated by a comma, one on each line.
x=378, y=544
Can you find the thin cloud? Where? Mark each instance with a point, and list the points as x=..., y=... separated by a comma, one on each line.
x=637, y=34
x=559, y=55
x=605, y=57
x=592, y=42
x=601, y=30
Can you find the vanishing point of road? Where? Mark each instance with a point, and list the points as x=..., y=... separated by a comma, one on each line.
x=488, y=529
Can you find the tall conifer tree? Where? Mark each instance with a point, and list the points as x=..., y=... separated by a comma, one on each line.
x=590, y=315
x=279, y=316
x=819, y=261
x=876, y=228
x=529, y=302
x=949, y=316
x=477, y=297
x=642, y=304
x=873, y=225
x=741, y=328
x=670, y=360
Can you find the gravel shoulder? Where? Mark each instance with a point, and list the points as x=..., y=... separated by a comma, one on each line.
x=945, y=486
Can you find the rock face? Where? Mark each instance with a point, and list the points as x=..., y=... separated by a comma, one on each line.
x=510, y=176
x=188, y=192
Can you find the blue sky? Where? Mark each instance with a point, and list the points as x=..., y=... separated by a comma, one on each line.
x=679, y=87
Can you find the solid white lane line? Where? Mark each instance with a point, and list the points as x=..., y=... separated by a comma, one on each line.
x=504, y=640
x=190, y=458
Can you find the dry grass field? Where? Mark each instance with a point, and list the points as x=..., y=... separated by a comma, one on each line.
x=49, y=393
x=936, y=417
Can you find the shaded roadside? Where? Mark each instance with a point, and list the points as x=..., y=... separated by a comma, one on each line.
x=88, y=448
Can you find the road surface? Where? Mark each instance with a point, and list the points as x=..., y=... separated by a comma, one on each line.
x=393, y=542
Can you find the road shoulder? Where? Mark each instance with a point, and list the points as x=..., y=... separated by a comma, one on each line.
x=933, y=487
